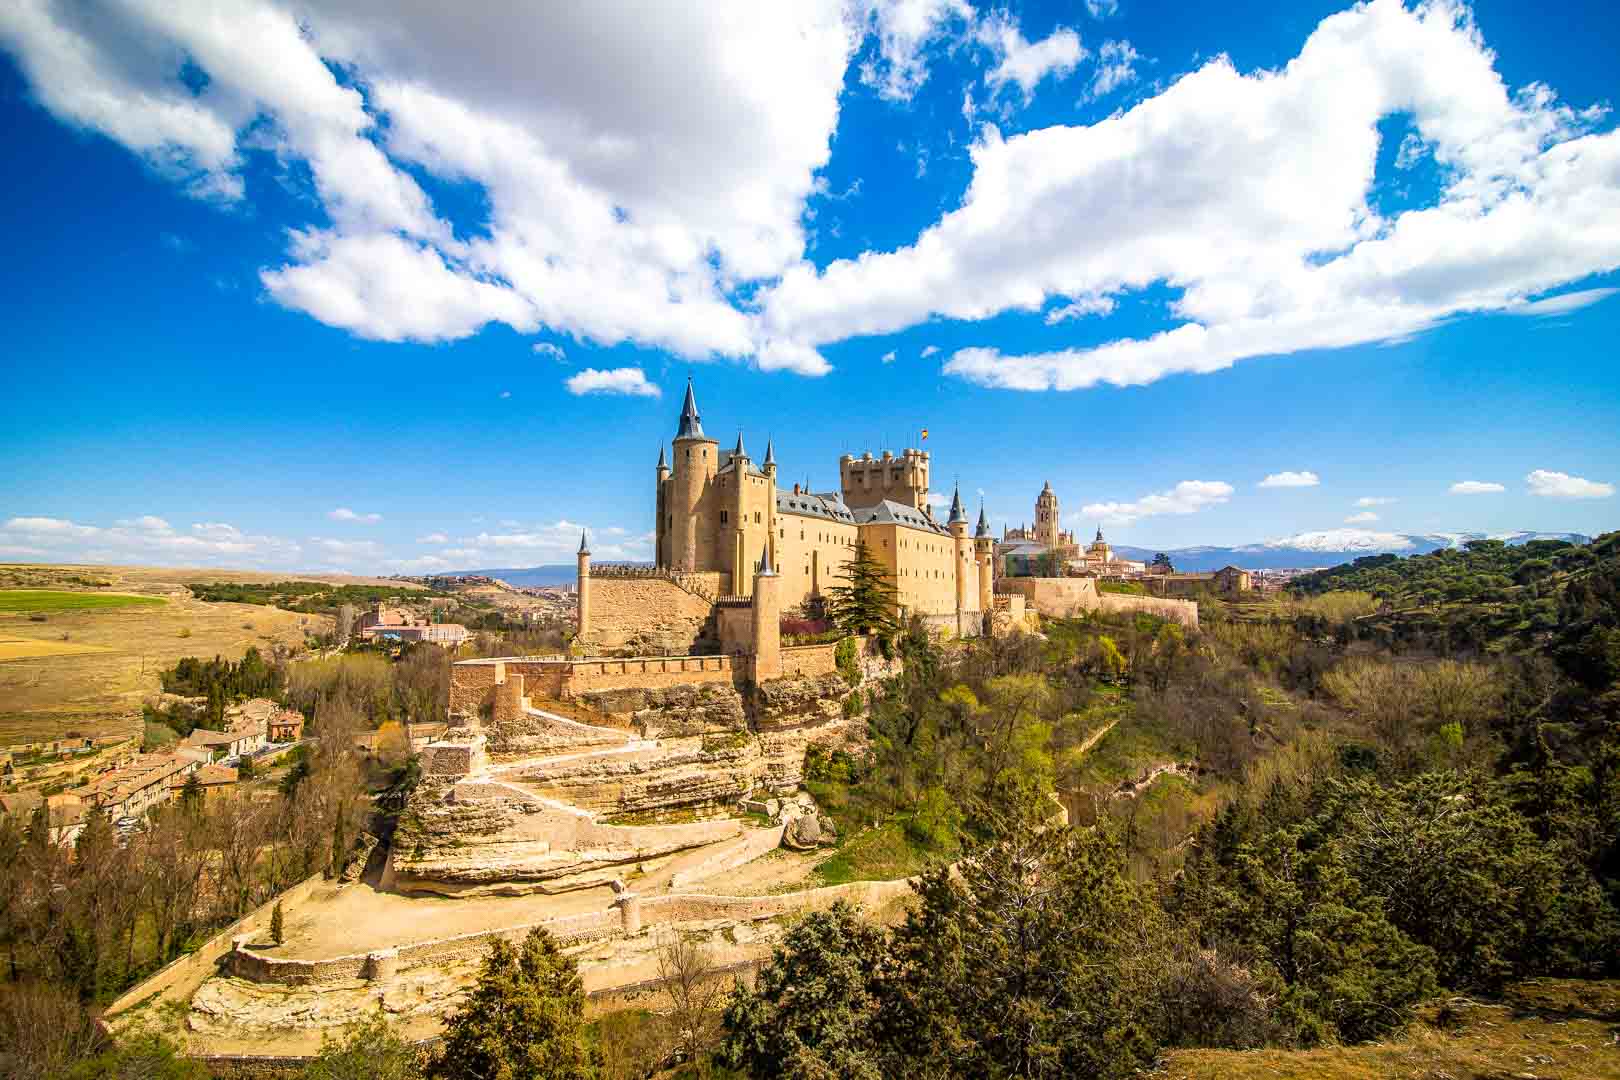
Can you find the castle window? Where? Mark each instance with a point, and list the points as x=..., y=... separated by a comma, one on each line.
x=722, y=517
x=756, y=517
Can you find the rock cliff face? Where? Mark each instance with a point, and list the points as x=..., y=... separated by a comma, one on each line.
x=527, y=821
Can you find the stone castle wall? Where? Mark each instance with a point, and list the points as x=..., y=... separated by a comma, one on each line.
x=809, y=661
x=648, y=615
x=1066, y=598
x=474, y=684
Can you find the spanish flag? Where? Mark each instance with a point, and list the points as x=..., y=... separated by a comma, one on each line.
x=925, y=433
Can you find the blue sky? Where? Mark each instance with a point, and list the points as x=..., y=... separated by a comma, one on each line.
x=314, y=290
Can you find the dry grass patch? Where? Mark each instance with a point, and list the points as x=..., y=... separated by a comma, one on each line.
x=1550, y=1029
x=21, y=648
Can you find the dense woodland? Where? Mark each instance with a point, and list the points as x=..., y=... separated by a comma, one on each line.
x=1288, y=829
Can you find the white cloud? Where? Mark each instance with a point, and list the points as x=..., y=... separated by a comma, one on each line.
x=1557, y=485
x=1102, y=9
x=343, y=513
x=1562, y=304
x=348, y=549
x=627, y=380
x=1116, y=66
x=547, y=349
x=1249, y=194
x=146, y=539
x=1076, y=309
x=618, y=209
x=1475, y=487
x=433, y=538
x=929, y=350
x=553, y=543
x=1026, y=63
x=904, y=28
x=1362, y=518
x=1291, y=479
x=505, y=394
x=1374, y=500
x=1187, y=497
x=888, y=357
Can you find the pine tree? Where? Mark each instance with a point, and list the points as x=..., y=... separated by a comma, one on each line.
x=868, y=603
x=525, y=1017
x=278, y=930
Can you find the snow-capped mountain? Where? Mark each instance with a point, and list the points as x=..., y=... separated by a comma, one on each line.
x=1330, y=547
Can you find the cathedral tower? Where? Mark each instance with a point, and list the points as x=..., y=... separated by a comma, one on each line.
x=1046, y=517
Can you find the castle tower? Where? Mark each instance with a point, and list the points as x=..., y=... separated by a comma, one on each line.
x=686, y=510
x=583, y=627
x=770, y=459
x=983, y=551
x=661, y=514
x=767, y=620
x=867, y=481
x=964, y=564
x=1046, y=517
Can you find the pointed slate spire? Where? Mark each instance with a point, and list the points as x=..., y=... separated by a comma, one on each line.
x=1047, y=490
x=583, y=550
x=1099, y=534
x=765, y=562
x=691, y=426
x=770, y=451
x=957, y=513
x=739, y=452
x=661, y=463
x=984, y=526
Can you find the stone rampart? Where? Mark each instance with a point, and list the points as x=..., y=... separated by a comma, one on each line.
x=1067, y=598
x=648, y=614
x=476, y=686
x=800, y=661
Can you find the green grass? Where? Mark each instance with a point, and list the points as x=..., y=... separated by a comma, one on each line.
x=47, y=600
x=881, y=854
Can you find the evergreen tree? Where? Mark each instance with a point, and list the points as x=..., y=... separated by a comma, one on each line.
x=868, y=602
x=370, y=1049
x=1031, y=959
x=278, y=931
x=811, y=1012
x=524, y=1018
x=191, y=794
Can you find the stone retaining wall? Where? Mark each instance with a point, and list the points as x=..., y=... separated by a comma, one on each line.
x=808, y=660
x=646, y=614
x=1065, y=598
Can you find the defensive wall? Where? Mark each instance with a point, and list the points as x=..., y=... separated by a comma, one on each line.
x=649, y=610
x=479, y=685
x=1064, y=598
x=629, y=915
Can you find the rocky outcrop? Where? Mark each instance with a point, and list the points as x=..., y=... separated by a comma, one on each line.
x=673, y=711
x=532, y=731
x=672, y=774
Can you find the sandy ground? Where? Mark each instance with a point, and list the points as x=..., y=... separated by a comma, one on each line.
x=101, y=691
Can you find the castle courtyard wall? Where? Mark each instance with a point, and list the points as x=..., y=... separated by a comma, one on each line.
x=648, y=614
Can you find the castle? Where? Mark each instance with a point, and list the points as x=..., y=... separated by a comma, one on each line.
x=724, y=526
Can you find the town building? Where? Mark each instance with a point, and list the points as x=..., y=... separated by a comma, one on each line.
x=129, y=791
x=214, y=780
x=286, y=726
x=394, y=624
x=1045, y=550
x=225, y=745
x=1228, y=580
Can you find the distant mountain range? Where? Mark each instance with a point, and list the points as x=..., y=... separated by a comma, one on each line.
x=1329, y=547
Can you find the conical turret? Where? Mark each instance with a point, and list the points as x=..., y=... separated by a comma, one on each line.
x=583, y=549
x=739, y=452
x=691, y=426
x=662, y=464
x=765, y=563
x=984, y=525
x=957, y=513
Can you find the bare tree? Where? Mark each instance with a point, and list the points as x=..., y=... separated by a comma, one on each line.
x=689, y=976
x=345, y=623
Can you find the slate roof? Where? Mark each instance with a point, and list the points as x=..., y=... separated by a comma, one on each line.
x=805, y=504
x=889, y=512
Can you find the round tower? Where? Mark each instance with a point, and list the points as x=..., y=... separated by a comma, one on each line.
x=961, y=549
x=661, y=513
x=582, y=627
x=691, y=537
x=983, y=552
x=767, y=620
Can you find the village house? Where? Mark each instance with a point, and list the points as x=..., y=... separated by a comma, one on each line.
x=213, y=779
x=129, y=791
x=225, y=744
x=286, y=726
x=397, y=625
x=64, y=813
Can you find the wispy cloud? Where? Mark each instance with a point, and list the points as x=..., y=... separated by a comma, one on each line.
x=343, y=513
x=1563, y=303
x=549, y=351
x=1291, y=479
x=1362, y=518
x=1374, y=500
x=1475, y=487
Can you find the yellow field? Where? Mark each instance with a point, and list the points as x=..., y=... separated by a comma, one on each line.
x=21, y=648
x=96, y=680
